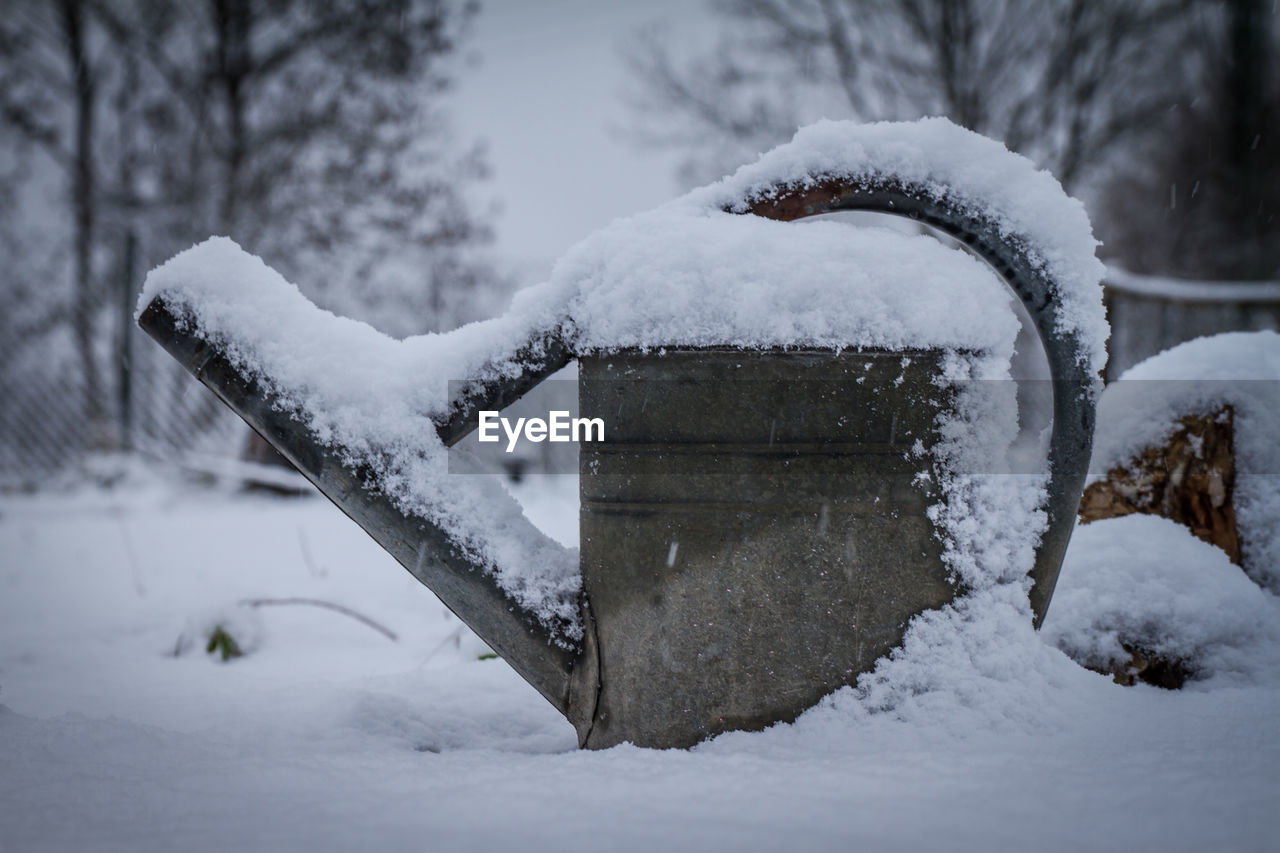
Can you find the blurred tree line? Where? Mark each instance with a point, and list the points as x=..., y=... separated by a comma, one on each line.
x=1163, y=115
x=310, y=131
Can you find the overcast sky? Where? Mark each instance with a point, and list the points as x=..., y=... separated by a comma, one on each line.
x=546, y=95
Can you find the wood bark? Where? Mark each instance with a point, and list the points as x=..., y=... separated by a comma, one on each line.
x=1190, y=479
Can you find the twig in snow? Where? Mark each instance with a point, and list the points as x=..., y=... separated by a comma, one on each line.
x=328, y=605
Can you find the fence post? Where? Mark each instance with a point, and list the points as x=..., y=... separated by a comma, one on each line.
x=124, y=343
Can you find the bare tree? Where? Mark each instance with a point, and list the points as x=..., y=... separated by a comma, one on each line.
x=50, y=99
x=1067, y=82
x=311, y=131
x=1201, y=198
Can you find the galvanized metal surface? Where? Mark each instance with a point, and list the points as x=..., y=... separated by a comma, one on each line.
x=753, y=531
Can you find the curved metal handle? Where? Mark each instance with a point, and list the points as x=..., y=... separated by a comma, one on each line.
x=1073, y=404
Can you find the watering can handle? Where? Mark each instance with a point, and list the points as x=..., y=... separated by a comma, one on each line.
x=1073, y=384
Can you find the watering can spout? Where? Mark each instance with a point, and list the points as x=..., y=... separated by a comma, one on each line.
x=559, y=673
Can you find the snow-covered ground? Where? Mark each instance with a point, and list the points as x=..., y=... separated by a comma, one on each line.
x=117, y=731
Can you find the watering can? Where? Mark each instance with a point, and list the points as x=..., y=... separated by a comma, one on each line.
x=718, y=591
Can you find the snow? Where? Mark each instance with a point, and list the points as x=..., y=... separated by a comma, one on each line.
x=1147, y=582
x=977, y=174
x=689, y=273
x=1237, y=369
x=681, y=276
x=331, y=737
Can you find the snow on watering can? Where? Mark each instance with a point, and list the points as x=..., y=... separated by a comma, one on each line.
x=770, y=505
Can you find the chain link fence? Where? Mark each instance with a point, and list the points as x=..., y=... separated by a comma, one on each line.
x=148, y=408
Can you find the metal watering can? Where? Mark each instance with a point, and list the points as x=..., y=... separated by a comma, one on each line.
x=702, y=614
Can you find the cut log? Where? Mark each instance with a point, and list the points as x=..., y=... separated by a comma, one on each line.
x=1190, y=479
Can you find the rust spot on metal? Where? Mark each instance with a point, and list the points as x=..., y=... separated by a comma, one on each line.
x=798, y=202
